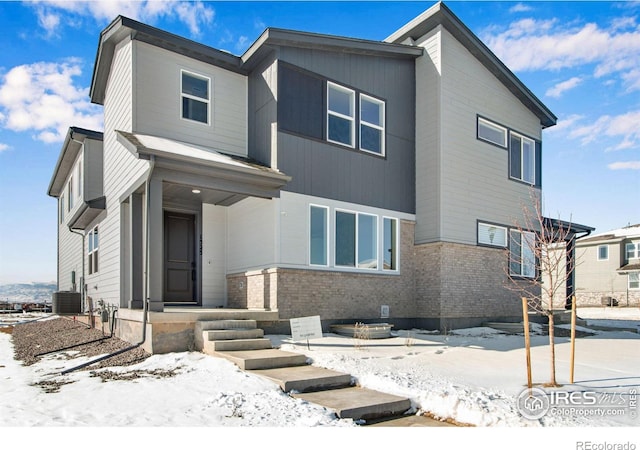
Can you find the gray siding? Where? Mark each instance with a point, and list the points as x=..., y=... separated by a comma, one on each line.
x=263, y=111
x=473, y=175
x=332, y=171
x=92, y=177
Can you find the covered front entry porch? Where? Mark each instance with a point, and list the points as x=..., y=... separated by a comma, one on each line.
x=173, y=250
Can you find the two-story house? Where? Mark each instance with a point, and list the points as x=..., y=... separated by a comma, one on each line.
x=313, y=175
x=609, y=268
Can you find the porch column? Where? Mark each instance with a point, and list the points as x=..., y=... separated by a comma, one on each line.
x=136, y=242
x=155, y=251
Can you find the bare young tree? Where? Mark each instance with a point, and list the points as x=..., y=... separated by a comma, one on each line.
x=540, y=263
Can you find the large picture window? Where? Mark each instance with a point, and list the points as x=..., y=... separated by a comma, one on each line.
x=522, y=260
x=340, y=114
x=94, y=244
x=356, y=240
x=318, y=232
x=371, y=124
x=195, y=97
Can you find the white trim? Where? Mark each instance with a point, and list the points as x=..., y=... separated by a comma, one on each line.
x=496, y=127
x=351, y=119
x=522, y=248
x=637, y=274
x=380, y=128
x=207, y=101
x=524, y=138
x=636, y=250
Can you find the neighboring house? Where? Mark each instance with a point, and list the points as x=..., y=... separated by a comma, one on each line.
x=609, y=267
x=313, y=175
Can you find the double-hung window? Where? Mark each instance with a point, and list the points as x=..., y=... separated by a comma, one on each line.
x=94, y=245
x=340, y=115
x=634, y=280
x=195, y=93
x=603, y=252
x=371, y=124
x=632, y=251
x=522, y=154
x=356, y=243
x=522, y=259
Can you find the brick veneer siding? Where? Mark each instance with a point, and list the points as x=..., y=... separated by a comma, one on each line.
x=625, y=298
x=463, y=285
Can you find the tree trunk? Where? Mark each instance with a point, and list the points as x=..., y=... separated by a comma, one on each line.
x=552, y=350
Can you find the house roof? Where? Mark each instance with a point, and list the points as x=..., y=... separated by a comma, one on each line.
x=630, y=231
x=70, y=148
x=440, y=14
x=630, y=268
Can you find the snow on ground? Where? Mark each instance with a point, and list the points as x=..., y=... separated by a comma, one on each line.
x=473, y=376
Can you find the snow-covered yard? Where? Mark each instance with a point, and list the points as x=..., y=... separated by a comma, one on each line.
x=473, y=376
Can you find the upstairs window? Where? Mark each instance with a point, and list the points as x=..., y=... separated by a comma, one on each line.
x=62, y=206
x=94, y=243
x=603, y=252
x=371, y=124
x=522, y=155
x=195, y=97
x=70, y=194
x=340, y=114
x=632, y=251
x=492, y=132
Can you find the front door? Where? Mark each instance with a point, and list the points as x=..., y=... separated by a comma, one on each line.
x=179, y=258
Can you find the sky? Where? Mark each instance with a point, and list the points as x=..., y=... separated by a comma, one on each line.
x=472, y=375
x=582, y=59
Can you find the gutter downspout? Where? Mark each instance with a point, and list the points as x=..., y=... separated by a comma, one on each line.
x=146, y=284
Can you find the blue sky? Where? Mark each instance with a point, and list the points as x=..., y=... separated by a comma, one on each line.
x=582, y=59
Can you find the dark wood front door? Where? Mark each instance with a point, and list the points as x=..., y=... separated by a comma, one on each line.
x=179, y=258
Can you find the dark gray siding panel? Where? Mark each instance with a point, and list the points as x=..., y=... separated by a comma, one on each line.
x=332, y=171
x=262, y=110
x=300, y=103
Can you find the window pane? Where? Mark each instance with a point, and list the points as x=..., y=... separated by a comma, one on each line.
x=371, y=112
x=367, y=241
x=603, y=252
x=198, y=87
x=95, y=238
x=492, y=235
x=90, y=241
x=318, y=236
x=528, y=160
x=634, y=280
x=492, y=133
x=515, y=253
x=194, y=110
x=95, y=261
x=345, y=239
x=630, y=251
x=341, y=101
x=390, y=250
x=340, y=130
x=528, y=255
x=515, y=157
x=371, y=139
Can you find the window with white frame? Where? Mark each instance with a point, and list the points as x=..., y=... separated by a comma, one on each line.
x=390, y=244
x=340, y=114
x=603, y=252
x=372, y=117
x=195, y=92
x=92, y=256
x=79, y=178
x=522, y=154
x=522, y=259
x=632, y=250
x=492, y=132
x=492, y=235
x=356, y=243
x=634, y=280
x=318, y=235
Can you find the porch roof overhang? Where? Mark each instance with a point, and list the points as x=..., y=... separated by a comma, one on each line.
x=569, y=229
x=629, y=268
x=87, y=212
x=208, y=168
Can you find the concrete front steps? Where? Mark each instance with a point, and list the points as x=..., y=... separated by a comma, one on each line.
x=241, y=342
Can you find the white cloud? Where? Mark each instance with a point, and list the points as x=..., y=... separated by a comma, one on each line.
x=625, y=127
x=562, y=87
x=520, y=7
x=531, y=44
x=43, y=98
x=3, y=147
x=195, y=14
x=627, y=165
